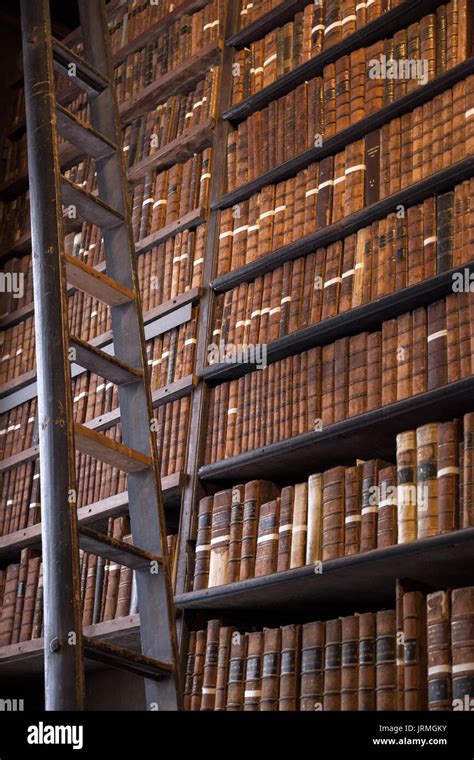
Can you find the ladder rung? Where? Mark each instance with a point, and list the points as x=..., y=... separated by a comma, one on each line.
x=86, y=76
x=102, y=363
x=83, y=135
x=96, y=284
x=89, y=206
x=116, y=454
x=117, y=551
x=126, y=659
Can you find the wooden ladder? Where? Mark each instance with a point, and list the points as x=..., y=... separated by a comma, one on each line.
x=56, y=348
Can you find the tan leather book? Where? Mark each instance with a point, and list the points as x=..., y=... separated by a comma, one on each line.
x=253, y=672
x=349, y=662
x=290, y=667
x=89, y=595
x=468, y=472
x=257, y=492
x=448, y=476
x=219, y=557
x=352, y=509
x=439, y=650
x=404, y=356
x=312, y=653
x=419, y=351
x=357, y=379
x=386, y=668
x=198, y=672
x=437, y=345
x=37, y=627
x=387, y=518
x=370, y=503
x=389, y=361
x=399, y=593
x=285, y=527
x=34, y=564
x=266, y=558
x=366, y=691
x=332, y=666
x=225, y=635
x=236, y=679
x=235, y=533
x=406, y=486
x=315, y=517
x=300, y=526
x=415, y=654
x=210, y=665
x=427, y=480
x=462, y=617
x=342, y=378
x=333, y=514
x=271, y=669
x=374, y=371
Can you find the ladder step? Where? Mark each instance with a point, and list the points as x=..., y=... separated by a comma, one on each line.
x=102, y=363
x=82, y=135
x=116, y=454
x=96, y=284
x=117, y=551
x=86, y=76
x=126, y=659
x=89, y=206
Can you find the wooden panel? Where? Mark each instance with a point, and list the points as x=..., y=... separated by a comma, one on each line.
x=87, y=77
x=95, y=283
x=115, y=454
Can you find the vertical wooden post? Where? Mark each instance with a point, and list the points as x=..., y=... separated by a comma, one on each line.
x=64, y=670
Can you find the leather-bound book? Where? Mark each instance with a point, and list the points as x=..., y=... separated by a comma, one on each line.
x=366, y=695
x=427, y=480
x=290, y=667
x=265, y=233
x=419, y=351
x=352, y=510
x=218, y=563
x=358, y=371
x=34, y=564
x=266, y=558
x=348, y=273
x=312, y=652
x=415, y=654
x=332, y=21
x=235, y=533
x=342, y=380
x=387, y=518
x=386, y=668
x=462, y=645
x=20, y=594
x=203, y=543
x=399, y=593
x=374, y=371
x=417, y=144
x=315, y=515
x=329, y=90
x=448, y=476
x=236, y=679
x=349, y=662
x=189, y=671
x=253, y=672
x=285, y=527
x=300, y=526
x=327, y=384
x=468, y=472
x=415, y=244
x=210, y=665
x=372, y=161
x=406, y=486
x=225, y=636
x=439, y=650
x=271, y=669
x=122, y=611
x=389, y=361
x=333, y=514
x=198, y=672
x=325, y=192
x=311, y=198
x=430, y=238
x=332, y=666
x=257, y=492
x=437, y=345
x=37, y=627
x=445, y=232
x=370, y=504
x=114, y=576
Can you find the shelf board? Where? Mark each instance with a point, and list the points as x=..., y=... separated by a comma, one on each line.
x=339, y=141
x=351, y=322
x=368, y=578
x=189, y=221
x=365, y=436
x=278, y=16
x=113, y=506
x=387, y=24
x=179, y=79
x=176, y=151
x=27, y=658
x=409, y=196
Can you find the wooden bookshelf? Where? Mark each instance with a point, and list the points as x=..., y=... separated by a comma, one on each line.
x=277, y=16
x=189, y=221
x=409, y=196
x=399, y=17
x=365, y=436
x=366, y=317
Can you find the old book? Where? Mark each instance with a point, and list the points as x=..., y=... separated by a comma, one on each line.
x=9, y=602
x=218, y=563
x=352, y=509
x=406, y=486
x=427, y=480
x=370, y=504
x=332, y=666
x=20, y=594
x=253, y=671
x=257, y=492
x=235, y=533
x=366, y=690
x=462, y=622
x=236, y=680
x=289, y=667
x=400, y=651
x=312, y=652
x=189, y=671
x=315, y=515
x=203, y=543
x=386, y=668
x=387, y=518
x=468, y=472
x=285, y=527
x=266, y=557
x=198, y=672
x=34, y=564
x=210, y=665
x=448, y=475
x=372, y=160
x=300, y=526
x=349, y=662
x=271, y=669
x=415, y=655
x=439, y=650
x=333, y=514
x=437, y=345
x=225, y=636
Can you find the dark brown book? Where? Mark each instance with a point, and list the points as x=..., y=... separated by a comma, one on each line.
x=427, y=480
x=462, y=647
x=203, y=543
x=266, y=557
x=387, y=518
x=468, y=472
x=352, y=509
x=333, y=514
x=386, y=667
x=290, y=667
x=189, y=671
x=366, y=700
x=372, y=160
x=349, y=662
x=236, y=680
x=439, y=650
x=198, y=672
x=332, y=666
x=219, y=558
x=312, y=653
x=271, y=669
x=415, y=655
x=257, y=492
x=235, y=533
x=253, y=672
x=225, y=635
x=285, y=527
x=210, y=665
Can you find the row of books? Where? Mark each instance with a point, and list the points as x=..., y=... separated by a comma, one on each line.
x=259, y=528
x=136, y=18
x=163, y=197
x=416, y=657
x=18, y=429
x=108, y=590
x=89, y=319
x=403, y=152
x=390, y=254
x=148, y=134
x=414, y=353
x=350, y=89
x=171, y=47
x=313, y=30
